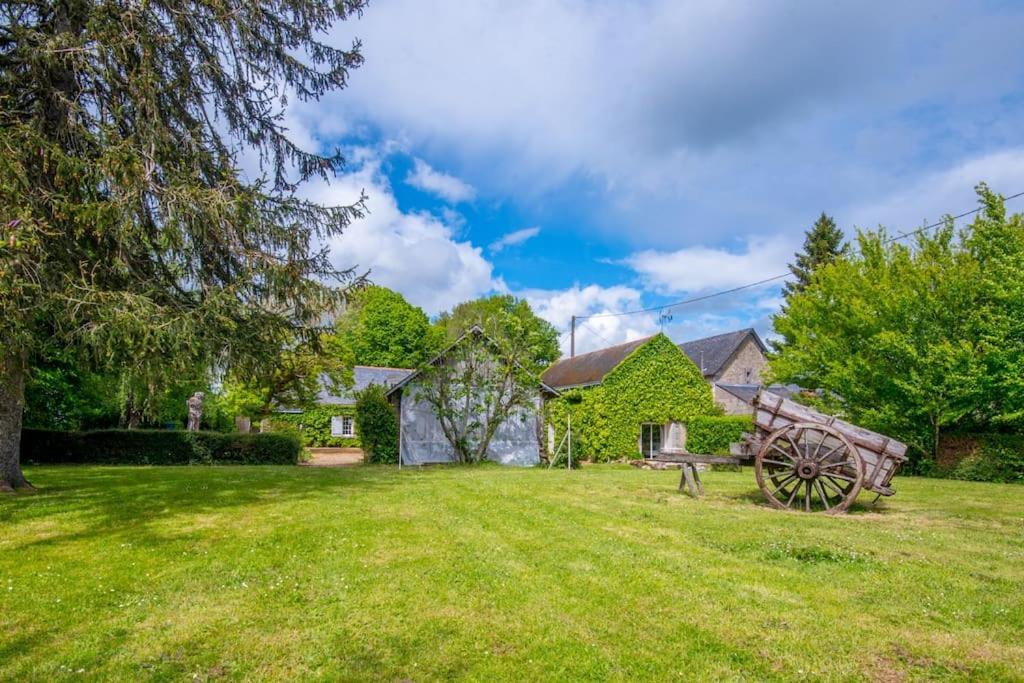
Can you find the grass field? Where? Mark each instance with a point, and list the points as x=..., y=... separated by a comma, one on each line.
x=489, y=573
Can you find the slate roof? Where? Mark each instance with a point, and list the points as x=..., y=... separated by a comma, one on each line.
x=747, y=392
x=364, y=376
x=588, y=369
x=710, y=354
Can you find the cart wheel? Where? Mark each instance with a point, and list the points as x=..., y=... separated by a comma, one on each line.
x=811, y=467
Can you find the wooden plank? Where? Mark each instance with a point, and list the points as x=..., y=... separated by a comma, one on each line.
x=773, y=411
x=694, y=459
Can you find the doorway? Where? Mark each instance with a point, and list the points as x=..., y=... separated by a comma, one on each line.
x=650, y=439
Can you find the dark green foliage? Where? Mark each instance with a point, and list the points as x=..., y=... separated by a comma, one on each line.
x=128, y=227
x=511, y=323
x=381, y=328
x=823, y=243
x=656, y=383
x=61, y=394
x=157, y=447
x=377, y=425
x=712, y=435
x=313, y=426
x=999, y=458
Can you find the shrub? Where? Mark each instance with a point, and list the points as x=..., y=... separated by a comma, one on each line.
x=993, y=457
x=713, y=435
x=377, y=425
x=313, y=426
x=154, y=447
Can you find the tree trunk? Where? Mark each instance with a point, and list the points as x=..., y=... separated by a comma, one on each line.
x=12, y=405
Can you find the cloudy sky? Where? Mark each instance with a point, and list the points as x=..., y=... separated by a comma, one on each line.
x=596, y=157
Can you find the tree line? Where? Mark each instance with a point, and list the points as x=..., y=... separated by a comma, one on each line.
x=914, y=339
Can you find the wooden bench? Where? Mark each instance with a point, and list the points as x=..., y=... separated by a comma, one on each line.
x=689, y=461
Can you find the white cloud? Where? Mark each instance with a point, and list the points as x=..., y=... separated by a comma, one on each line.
x=447, y=187
x=651, y=104
x=947, y=191
x=415, y=253
x=558, y=307
x=513, y=238
x=695, y=269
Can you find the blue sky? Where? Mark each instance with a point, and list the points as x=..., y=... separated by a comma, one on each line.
x=595, y=157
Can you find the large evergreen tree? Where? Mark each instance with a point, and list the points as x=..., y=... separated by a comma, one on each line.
x=822, y=244
x=125, y=223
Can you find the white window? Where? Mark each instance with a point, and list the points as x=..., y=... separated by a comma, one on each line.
x=343, y=425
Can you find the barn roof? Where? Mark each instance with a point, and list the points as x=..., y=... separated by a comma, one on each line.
x=588, y=369
x=475, y=330
x=363, y=376
x=710, y=354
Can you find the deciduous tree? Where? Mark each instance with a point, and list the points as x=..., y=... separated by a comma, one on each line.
x=912, y=340
x=381, y=328
x=507, y=320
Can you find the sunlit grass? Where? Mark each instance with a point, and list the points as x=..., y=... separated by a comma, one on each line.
x=492, y=573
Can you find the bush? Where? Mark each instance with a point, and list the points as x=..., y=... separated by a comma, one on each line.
x=377, y=425
x=713, y=435
x=991, y=457
x=154, y=447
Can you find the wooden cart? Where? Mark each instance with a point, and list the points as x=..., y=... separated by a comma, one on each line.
x=806, y=460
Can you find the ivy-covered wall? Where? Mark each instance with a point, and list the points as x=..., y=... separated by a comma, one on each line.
x=314, y=426
x=656, y=383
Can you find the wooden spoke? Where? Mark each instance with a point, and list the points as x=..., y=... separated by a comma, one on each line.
x=821, y=493
x=819, y=469
x=783, y=483
x=791, y=457
x=832, y=452
x=833, y=475
x=788, y=465
x=792, y=496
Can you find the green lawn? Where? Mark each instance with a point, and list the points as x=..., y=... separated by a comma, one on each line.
x=490, y=573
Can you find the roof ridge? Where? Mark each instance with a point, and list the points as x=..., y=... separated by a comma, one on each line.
x=605, y=348
x=382, y=367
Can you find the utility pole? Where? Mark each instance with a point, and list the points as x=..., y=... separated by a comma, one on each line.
x=572, y=339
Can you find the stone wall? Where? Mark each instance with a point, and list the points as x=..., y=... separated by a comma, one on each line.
x=729, y=403
x=746, y=367
x=749, y=357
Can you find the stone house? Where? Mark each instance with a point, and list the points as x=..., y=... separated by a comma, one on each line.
x=733, y=364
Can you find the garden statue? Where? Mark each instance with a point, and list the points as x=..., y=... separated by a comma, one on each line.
x=195, y=411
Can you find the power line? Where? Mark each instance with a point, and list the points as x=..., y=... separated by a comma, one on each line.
x=733, y=290
x=605, y=339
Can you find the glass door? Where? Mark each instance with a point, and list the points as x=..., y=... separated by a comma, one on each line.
x=650, y=439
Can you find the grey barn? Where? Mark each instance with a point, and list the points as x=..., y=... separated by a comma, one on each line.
x=422, y=440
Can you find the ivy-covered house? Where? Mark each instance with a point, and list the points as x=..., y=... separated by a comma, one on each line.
x=332, y=421
x=622, y=398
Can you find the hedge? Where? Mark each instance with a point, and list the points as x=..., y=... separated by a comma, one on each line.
x=656, y=383
x=712, y=435
x=313, y=426
x=158, y=447
x=377, y=425
x=983, y=457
